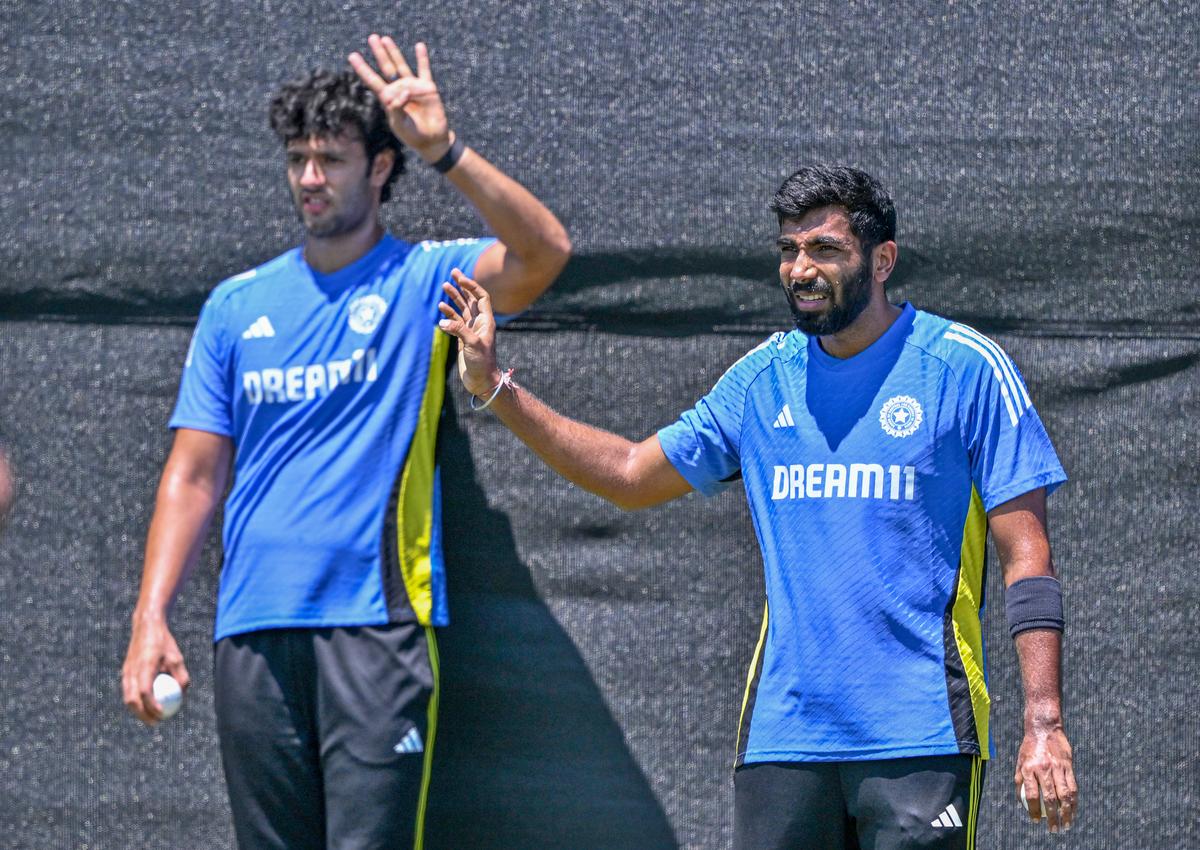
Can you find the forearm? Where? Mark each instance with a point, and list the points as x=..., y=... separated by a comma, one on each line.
x=1044, y=767
x=1039, y=654
x=182, y=513
x=628, y=474
x=1033, y=603
x=599, y=461
x=1039, y=650
x=531, y=233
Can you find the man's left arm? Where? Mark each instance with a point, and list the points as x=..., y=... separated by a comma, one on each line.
x=533, y=246
x=1044, y=763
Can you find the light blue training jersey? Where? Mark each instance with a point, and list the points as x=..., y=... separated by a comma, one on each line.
x=868, y=481
x=331, y=388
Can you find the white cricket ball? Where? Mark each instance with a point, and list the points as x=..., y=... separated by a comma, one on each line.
x=1025, y=800
x=167, y=694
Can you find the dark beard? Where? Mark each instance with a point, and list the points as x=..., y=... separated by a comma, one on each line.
x=855, y=296
x=335, y=226
x=326, y=229
x=354, y=210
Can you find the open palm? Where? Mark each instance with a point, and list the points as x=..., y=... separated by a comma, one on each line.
x=470, y=318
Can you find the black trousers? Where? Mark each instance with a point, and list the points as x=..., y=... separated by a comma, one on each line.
x=892, y=804
x=327, y=735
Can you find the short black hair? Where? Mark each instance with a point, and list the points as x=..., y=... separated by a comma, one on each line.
x=324, y=103
x=868, y=205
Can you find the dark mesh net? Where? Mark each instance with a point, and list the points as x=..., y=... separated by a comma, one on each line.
x=1043, y=162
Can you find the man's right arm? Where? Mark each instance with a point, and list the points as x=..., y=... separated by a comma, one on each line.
x=628, y=474
x=192, y=484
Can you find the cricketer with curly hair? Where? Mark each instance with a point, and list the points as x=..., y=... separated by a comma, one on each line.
x=317, y=378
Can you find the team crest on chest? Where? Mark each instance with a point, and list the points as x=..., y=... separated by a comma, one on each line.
x=365, y=313
x=900, y=416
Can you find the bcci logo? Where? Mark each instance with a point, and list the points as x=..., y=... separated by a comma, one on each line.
x=365, y=313
x=900, y=416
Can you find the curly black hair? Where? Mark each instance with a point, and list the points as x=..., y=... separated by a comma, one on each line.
x=324, y=103
x=868, y=205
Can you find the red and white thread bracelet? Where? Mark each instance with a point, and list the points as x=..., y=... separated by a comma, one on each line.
x=505, y=381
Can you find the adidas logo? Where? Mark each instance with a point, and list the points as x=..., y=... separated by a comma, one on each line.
x=261, y=328
x=410, y=743
x=784, y=419
x=947, y=818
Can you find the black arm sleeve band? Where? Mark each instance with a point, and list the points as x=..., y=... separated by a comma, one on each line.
x=451, y=157
x=1034, y=603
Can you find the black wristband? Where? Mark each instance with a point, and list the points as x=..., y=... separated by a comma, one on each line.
x=1034, y=603
x=451, y=157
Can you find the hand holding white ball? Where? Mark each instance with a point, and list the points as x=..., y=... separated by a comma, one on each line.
x=167, y=694
x=1025, y=800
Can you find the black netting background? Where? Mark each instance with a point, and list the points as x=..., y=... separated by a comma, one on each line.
x=1040, y=154
x=1045, y=165
x=595, y=667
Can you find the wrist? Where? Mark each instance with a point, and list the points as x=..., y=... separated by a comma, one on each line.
x=434, y=151
x=451, y=158
x=504, y=379
x=1043, y=717
x=484, y=388
x=149, y=617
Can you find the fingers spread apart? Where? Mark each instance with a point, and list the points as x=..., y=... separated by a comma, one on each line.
x=455, y=325
x=367, y=74
x=389, y=58
x=391, y=62
x=469, y=285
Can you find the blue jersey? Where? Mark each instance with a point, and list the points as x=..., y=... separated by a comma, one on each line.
x=331, y=388
x=868, y=481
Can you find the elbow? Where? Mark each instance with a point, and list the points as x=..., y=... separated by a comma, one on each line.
x=561, y=245
x=629, y=496
x=555, y=242
x=553, y=246
x=536, y=270
x=555, y=253
x=184, y=486
x=628, y=502
x=540, y=272
x=636, y=481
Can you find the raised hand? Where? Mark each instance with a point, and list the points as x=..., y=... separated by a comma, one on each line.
x=411, y=101
x=471, y=320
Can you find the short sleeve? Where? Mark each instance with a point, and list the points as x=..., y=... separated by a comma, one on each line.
x=704, y=444
x=205, y=399
x=1009, y=450
x=460, y=254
